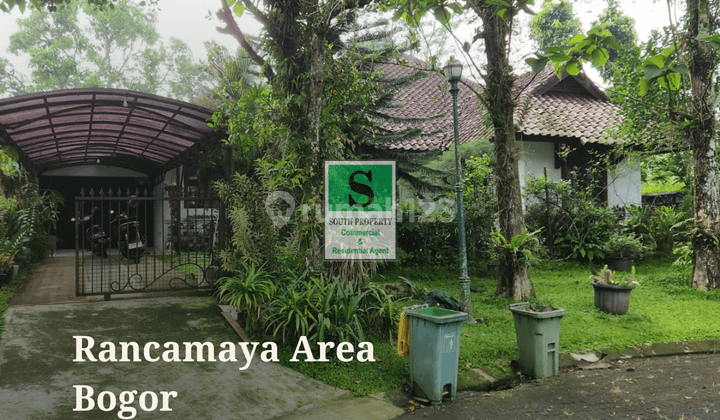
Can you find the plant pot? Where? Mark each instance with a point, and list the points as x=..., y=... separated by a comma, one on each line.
x=538, y=338
x=623, y=263
x=611, y=298
x=7, y=276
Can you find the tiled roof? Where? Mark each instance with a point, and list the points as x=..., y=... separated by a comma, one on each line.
x=571, y=107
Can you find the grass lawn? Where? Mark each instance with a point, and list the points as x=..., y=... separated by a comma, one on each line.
x=187, y=262
x=664, y=308
x=655, y=187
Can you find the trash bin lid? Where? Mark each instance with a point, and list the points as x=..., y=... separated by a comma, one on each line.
x=521, y=308
x=439, y=315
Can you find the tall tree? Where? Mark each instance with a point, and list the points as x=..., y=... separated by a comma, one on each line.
x=622, y=27
x=554, y=24
x=697, y=120
x=81, y=46
x=324, y=101
x=703, y=43
x=499, y=100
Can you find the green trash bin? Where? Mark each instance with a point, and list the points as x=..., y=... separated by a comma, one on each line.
x=538, y=338
x=434, y=341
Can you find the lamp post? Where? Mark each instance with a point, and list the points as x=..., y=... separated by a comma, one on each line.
x=453, y=72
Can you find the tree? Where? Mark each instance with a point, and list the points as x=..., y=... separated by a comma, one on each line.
x=118, y=47
x=499, y=100
x=696, y=119
x=324, y=101
x=622, y=27
x=54, y=5
x=702, y=41
x=554, y=24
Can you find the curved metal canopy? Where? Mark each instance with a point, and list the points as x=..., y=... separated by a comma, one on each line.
x=134, y=130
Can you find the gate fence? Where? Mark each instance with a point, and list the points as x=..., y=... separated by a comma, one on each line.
x=134, y=243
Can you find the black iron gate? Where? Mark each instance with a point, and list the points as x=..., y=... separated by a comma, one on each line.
x=134, y=243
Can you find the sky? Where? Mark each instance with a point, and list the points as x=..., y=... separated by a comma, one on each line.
x=194, y=22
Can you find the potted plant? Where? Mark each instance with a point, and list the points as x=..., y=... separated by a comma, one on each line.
x=663, y=225
x=538, y=336
x=623, y=249
x=612, y=295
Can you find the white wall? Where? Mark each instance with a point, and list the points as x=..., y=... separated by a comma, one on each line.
x=534, y=158
x=624, y=184
x=94, y=170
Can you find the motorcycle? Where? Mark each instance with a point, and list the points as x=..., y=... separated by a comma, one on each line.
x=130, y=243
x=95, y=238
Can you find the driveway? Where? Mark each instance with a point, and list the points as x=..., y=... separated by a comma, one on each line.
x=37, y=371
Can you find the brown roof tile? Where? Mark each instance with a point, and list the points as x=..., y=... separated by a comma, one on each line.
x=571, y=107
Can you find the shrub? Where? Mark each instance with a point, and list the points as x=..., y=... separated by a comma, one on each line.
x=247, y=291
x=664, y=223
x=324, y=309
x=432, y=238
x=426, y=240
x=253, y=238
x=624, y=246
x=580, y=226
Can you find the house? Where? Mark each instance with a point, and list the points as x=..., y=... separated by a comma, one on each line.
x=562, y=126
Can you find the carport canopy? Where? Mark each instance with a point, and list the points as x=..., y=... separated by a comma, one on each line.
x=134, y=130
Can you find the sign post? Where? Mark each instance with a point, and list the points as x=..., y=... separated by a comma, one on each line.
x=360, y=210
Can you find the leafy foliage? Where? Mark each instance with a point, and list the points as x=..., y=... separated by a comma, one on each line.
x=80, y=45
x=27, y=215
x=663, y=69
x=428, y=232
x=622, y=28
x=624, y=246
x=592, y=47
x=253, y=233
x=580, y=226
x=554, y=24
x=521, y=246
x=608, y=277
x=325, y=309
x=248, y=291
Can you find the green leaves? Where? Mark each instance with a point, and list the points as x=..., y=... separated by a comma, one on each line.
x=237, y=6
x=592, y=47
x=713, y=40
x=663, y=69
x=537, y=64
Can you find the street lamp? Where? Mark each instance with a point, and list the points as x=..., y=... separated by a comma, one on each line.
x=453, y=72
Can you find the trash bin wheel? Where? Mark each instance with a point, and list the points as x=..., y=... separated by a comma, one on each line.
x=515, y=365
x=408, y=390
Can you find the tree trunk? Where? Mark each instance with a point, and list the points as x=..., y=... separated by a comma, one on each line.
x=703, y=60
x=514, y=277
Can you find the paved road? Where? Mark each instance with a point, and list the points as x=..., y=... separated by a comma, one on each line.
x=38, y=374
x=663, y=388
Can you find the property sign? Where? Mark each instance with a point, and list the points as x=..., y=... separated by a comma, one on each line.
x=360, y=204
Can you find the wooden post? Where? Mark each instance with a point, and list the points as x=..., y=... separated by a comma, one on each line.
x=547, y=214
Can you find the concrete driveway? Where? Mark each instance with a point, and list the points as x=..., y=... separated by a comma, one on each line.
x=37, y=372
